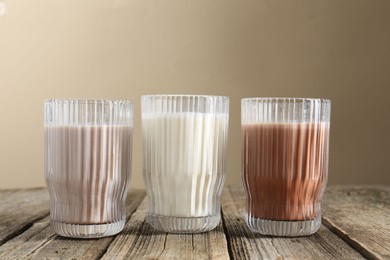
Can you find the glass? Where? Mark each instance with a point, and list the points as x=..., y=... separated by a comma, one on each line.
x=285, y=144
x=88, y=146
x=184, y=160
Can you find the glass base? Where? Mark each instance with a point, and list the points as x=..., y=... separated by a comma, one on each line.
x=87, y=231
x=183, y=224
x=283, y=228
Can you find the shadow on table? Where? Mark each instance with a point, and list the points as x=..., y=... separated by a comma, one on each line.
x=141, y=228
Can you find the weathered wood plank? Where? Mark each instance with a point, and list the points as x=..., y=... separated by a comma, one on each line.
x=245, y=244
x=360, y=215
x=41, y=242
x=19, y=209
x=140, y=241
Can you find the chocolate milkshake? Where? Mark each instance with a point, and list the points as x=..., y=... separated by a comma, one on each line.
x=88, y=169
x=88, y=146
x=285, y=170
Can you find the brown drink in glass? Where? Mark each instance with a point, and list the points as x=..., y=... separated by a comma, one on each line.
x=88, y=146
x=285, y=163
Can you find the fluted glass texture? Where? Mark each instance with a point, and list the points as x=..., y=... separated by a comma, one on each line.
x=184, y=160
x=88, y=146
x=285, y=144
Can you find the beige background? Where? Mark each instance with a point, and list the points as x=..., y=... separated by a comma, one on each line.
x=121, y=49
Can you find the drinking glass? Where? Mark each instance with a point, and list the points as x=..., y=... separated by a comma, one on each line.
x=88, y=145
x=285, y=144
x=184, y=160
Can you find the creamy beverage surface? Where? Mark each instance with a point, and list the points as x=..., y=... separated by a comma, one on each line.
x=88, y=170
x=285, y=169
x=184, y=162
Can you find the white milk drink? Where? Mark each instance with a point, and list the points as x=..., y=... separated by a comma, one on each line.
x=184, y=162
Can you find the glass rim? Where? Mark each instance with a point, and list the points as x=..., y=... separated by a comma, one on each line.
x=288, y=99
x=88, y=100
x=183, y=95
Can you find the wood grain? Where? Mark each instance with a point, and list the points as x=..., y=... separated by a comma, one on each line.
x=140, y=241
x=247, y=245
x=356, y=218
x=40, y=241
x=19, y=209
x=360, y=215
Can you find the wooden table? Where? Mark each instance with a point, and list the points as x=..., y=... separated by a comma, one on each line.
x=356, y=224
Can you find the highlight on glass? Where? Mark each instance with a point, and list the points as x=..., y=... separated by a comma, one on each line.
x=285, y=146
x=184, y=160
x=88, y=146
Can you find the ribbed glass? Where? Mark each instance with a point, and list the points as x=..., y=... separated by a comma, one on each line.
x=184, y=160
x=88, y=146
x=285, y=143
